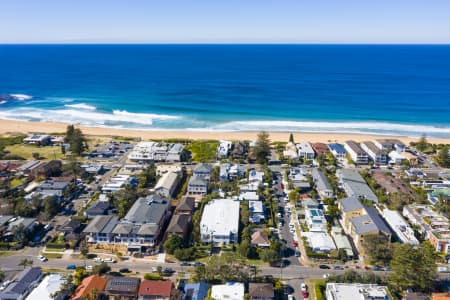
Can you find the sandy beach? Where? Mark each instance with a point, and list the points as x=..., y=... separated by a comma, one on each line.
x=8, y=127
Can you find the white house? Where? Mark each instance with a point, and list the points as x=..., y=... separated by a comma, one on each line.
x=338, y=151
x=223, y=149
x=255, y=176
x=377, y=155
x=356, y=291
x=228, y=291
x=357, y=154
x=220, y=222
x=197, y=186
x=305, y=151
x=167, y=184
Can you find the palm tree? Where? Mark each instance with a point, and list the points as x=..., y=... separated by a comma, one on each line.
x=25, y=263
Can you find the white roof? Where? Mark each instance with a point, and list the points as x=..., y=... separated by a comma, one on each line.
x=345, y=291
x=49, y=285
x=249, y=196
x=394, y=155
x=403, y=231
x=320, y=241
x=305, y=147
x=220, y=216
x=255, y=176
x=256, y=206
x=228, y=291
x=167, y=181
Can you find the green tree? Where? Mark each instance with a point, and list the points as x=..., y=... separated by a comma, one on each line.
x=291, y=138
x=76, y=139
x=25, y=263
x=173, y=243
x=101, y=269
x=148, y=178
x=378, y=248
x=422, y=144
x=413, y=267
x=262, y=148
x=243, y=249
x=51, y=207
x=123, y=199
x=184, y=254
x=2, y=275
x=270, y=256
x=84, y=251
x=443, y=157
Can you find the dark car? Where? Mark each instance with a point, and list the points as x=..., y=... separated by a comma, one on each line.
x=198, y=264
x=184, y=263
x=338, y=267
x=124, y=270
x=71, y=267
x=376, y=268
x=324, y=267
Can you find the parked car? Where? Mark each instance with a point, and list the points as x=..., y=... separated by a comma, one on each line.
x=42, y=258
x=324, y=267
x=297, y=253
x=184, y=263
x=89, y=267
x=338, y=267
x=71, y=267
x=294, y=244
x=376, y=268
x=124, y=270
x=198, y=264
x=98, y=259
x=109, y=259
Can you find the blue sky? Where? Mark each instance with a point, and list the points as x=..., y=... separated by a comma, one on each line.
x=225, y=21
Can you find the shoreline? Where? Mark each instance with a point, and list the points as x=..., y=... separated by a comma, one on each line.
x=8, y=127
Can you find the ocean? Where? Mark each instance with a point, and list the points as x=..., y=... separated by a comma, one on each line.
x=373, y=89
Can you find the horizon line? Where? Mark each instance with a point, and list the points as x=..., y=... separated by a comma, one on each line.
x=225, y=43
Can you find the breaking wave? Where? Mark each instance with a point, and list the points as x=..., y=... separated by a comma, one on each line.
x=81, y=106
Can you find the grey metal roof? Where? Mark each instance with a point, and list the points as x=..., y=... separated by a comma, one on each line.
x=186, y=203
x=355, y=147
x=123, y=228
x=202, y=168
x=122, y=284
x=147, y=229
x=356, y=184
x=178, y=223
x=197, y=180
x=101, y=224
x=24, y=280
x=4, y=219
x=369, y=222
x=53, y=185
x=148, y=210
x=320, y=180
x=351, y=203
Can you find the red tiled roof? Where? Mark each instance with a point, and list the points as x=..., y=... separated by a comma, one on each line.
x=87, y=285
x=155, y=288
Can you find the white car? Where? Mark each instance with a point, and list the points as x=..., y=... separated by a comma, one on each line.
x=42, y=258
x=89, y=268
x=109, y=259
x=98, y=259
x=303, y=287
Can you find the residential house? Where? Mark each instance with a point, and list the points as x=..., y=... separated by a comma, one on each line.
x=118, y=182
x=396, y=158
x=345, y=291
x=255, y=177
x=257, y=211
x=195, y=291
x=155, y=290
x=53, y=188
x=359, y=220
x=49, y=286
x=175, y=153
x=239, y=150
x=88, y=285
x=167, y=184
x=260, y=239
x=305, y=151
x=338, y=151
x=100, y=229
x=290, y=151
x=342, y=241
x=202, y=171
x=315, y=220
x=36, y=168
x=433, y=226
x=38, y=139
x=261, y=291
x=220, y=222
x=99, y=208
x=320, y=148
x=354, y=184
x=309, y=203
x=185, y=206
x=357, y=154
x=69, y=229
x=228, y=291
x=376, y=154
x=197, y=186
x=319, y=241
x=400, y=227
x=411, y=158
x=179, y=225
x=231, y=171
x=390, y=144
x=142, y=225
x=22, y=284
x=162, y=169
x=415, y=172
x=28, y=225
x=122, y=288
x=223, y=149
x=323, y=186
